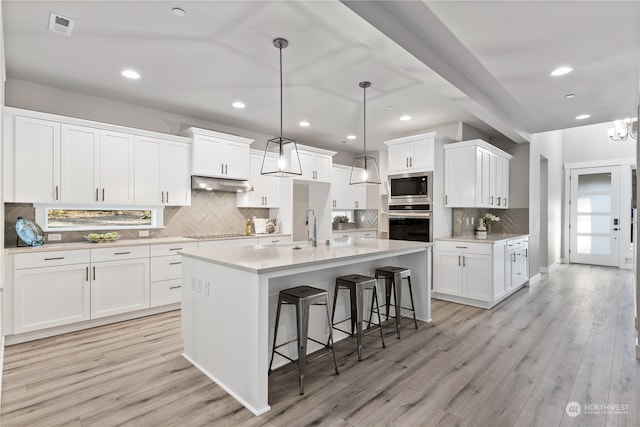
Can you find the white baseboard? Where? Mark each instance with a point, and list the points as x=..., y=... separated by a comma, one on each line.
x=535, y=279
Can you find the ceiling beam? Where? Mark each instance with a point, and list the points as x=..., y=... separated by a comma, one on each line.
x=415, y=28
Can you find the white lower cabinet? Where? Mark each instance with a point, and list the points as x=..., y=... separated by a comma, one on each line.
x=478, y=274
x=166, y=273
x=119, y=287
x=51, y=296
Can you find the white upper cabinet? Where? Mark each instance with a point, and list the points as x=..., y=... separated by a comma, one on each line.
x=344, y=195
x=115, y=170
x=315, y=163
x=54, y=159
x=161, y=172
x=266, y=189
x=412, y=154
x=476, y=175
x=36, y=148
x=219, y=155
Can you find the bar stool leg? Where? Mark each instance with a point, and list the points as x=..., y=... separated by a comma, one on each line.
x=275, y=333
x=353, y=300
x=359, y=308
x=413, y=307
x=302, y=320
x=387, y=294
x=333, y=350
x=375, y=297
x=397, y=297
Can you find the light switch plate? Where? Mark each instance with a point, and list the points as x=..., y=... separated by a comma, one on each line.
x=143, y=233
x=54, y=237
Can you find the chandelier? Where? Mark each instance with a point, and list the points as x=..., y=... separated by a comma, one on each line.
x=623, y=129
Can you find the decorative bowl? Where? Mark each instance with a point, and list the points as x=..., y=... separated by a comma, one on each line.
x=102, y=237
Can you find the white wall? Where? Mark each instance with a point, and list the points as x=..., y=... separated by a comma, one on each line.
x=591, y=143
x=550, y=146
x=518, y=171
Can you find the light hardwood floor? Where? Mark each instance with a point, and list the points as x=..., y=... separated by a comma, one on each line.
x=568, y=338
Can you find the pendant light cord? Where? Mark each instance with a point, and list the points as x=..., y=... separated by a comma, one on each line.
x=280, y=48
x=365, y=120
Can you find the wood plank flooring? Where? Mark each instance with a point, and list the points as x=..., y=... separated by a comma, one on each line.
x=568, y=338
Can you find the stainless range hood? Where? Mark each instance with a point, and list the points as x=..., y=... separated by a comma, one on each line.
x=219, y=184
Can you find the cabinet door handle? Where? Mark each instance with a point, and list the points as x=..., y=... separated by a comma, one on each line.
x=458, y=260
x=57, y=193
x=167, y=197
x=491, y=200
x=94, y=272
x=226, y=166
x=275, y=241
x=121, y=253
x=86, y=276
x=97, y=190
x=221, y=168
x=513, y=257
x=175, y=287
x=175, y=263
x=175, y=249
x=499, y=204
x=406, y=162
x=445, y=199
x=411, y=161
x=462, y=247
x=526, y=252
x=162, y=192
x=103, y=194
x=266, y=201
x=505, y=201
x=53, y=259
x=464, y=261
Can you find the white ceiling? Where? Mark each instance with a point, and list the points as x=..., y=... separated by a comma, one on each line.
x=482, y=63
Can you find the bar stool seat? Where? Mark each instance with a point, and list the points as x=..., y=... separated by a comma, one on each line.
x=393, y=285
x=303, y=297
x=356, y=284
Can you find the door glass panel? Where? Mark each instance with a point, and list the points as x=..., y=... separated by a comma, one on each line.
x=594, y=224
x=594, y=203
x=594, y=182
x=594, y=245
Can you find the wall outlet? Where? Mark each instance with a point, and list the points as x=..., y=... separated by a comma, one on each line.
x=143, y=233
x=54, y=237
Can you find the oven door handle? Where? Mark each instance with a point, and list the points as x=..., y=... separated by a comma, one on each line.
x=409, y=215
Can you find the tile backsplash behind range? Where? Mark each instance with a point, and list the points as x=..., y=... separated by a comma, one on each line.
x=210, y=213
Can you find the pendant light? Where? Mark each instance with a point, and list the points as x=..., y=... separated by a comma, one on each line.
x=281, y=154
x=365, y=168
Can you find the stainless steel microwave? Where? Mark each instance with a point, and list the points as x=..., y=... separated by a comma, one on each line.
x=411, y=188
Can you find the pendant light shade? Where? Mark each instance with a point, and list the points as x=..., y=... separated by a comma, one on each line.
x=365, y=168
x=281, y=154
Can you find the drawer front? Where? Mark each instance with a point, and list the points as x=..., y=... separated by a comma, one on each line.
x=172, y=248
x=166, y=268
x=269, y=240
x=249, y=241
x=50, y=259
x=518, y=243
x=465, y=247
x=166, y=292
x=117, y=253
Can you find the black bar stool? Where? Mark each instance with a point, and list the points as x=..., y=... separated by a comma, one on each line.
x=355, y=284
x=393, y=283
x=303, y=297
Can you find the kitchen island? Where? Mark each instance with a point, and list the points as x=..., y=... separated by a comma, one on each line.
x=229, y=299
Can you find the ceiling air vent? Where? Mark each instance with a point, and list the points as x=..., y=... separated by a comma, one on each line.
x=60, y=24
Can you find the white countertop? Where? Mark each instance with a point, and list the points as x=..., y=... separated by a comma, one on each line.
x=490, y=238
x=123, y=242
x=265, y=258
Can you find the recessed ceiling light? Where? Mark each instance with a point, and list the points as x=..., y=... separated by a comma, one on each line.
x=561, y=71
x=583, y=116
x=405, y=118
x=304, y=123
x=178, y=12
x=351, y=137
x=570, y=95
x=130, y=74
x=389, y=107
x=238, y=104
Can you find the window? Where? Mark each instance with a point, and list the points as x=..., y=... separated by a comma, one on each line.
x=61, y=218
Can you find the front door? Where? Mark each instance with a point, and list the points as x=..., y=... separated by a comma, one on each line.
x=595, y=216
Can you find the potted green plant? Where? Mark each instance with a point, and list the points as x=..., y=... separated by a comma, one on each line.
x=340, y=220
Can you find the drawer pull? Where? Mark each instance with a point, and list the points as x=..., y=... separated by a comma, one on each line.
x=122, y=253
x=94, y=272
x=175, y=249
x=86, y=277
x=175, y=287
x=462, y=247
x=53, y=259
x=175, y=263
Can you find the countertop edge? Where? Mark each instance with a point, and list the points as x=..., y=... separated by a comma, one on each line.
x=490, y=239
